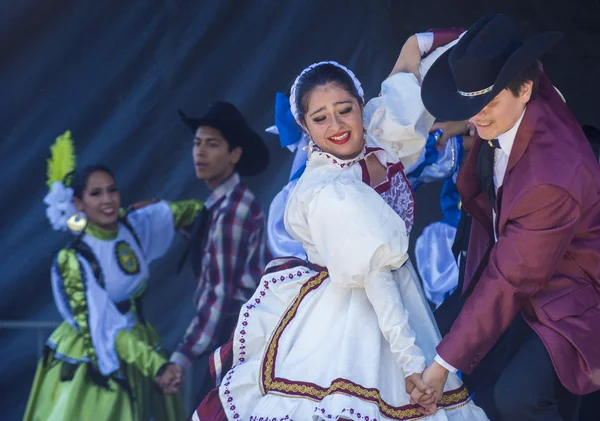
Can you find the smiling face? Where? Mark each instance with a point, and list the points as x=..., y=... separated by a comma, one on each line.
x=334, y=120
x=100, y=200
x=502, y=113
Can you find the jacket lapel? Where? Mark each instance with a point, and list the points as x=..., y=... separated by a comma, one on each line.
x=475, y=201
x=523, y=136
x=522, y=139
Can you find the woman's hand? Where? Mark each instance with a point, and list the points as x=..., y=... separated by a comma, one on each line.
x=409, y=60
x=170, y=378
x=435, y=375
x=421, y=394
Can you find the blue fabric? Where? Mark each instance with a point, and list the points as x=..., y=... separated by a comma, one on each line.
x=435, y=165
x=433, y=248
x=435, y=262
x=280, y=242
x=449, y=201
x=289, y=131
x=449, y=196
x=298, y=173
x=431, y=154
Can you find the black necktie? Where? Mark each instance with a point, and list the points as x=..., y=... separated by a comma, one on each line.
x=485, y=168
x=195, y=247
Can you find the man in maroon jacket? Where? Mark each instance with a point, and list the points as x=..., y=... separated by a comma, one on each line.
x=532, y=186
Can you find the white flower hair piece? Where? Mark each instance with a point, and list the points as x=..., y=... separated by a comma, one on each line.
x=60, y=205
x=294, y=106
x=60, y=197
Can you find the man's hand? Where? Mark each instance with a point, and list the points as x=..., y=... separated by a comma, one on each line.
x=451, y=129
x=170, y=378
x=409, y=60
x=435, y=376
x=421, y=394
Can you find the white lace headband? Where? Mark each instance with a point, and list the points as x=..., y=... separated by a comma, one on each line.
x=294, y=106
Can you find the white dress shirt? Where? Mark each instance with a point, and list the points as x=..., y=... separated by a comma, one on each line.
x=506, y=141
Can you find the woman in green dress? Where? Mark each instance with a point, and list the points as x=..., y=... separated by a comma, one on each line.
x=105, y=362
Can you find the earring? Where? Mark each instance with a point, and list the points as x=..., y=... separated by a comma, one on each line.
x=310, y=148
x=77, y=222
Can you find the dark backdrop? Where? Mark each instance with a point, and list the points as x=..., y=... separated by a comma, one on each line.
x=115, y=72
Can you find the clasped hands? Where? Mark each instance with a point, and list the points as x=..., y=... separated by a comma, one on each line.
x=427, y=388
x=170, y=378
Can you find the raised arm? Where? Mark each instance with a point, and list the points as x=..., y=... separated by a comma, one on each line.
x=419, y=45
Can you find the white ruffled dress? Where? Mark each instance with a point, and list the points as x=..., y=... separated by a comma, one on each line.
x=335, y=337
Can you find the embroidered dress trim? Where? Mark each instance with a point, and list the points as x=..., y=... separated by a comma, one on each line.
x=270, y=383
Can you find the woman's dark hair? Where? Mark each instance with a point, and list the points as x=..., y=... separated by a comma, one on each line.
x=79, y=178
x=322, y=75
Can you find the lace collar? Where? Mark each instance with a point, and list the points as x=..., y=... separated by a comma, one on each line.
x=325, y=157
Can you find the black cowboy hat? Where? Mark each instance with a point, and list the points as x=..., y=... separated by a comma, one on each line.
x=231, y=123
x=464, y=79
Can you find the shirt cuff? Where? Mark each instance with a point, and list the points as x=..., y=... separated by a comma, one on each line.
x=180, y=359
x=444, y=364
x=425, y=41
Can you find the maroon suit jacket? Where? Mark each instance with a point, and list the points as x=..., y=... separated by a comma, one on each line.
x=546, y=262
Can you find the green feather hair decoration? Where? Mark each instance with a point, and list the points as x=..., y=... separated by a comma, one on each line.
x=62, y=159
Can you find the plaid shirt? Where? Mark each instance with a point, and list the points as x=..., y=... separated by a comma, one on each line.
x=234, y=258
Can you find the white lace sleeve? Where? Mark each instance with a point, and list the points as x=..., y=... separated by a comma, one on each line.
x=398, y=119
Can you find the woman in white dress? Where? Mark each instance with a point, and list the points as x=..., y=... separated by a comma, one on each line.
x=346, y=333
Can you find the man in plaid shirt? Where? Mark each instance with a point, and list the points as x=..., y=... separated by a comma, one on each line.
x=227, y=248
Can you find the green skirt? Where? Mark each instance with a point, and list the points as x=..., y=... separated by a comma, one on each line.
x=65, y=388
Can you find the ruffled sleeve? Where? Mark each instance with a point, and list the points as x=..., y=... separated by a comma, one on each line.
x=397, y=118
x=155, y=224
x=104, y=330
x=348, y=228
x=354, y=232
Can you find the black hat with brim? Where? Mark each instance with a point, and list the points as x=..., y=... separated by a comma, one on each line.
x=226, y=118
x=490, y=55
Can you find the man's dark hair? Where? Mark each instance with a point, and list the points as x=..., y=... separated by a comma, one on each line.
x=532, y=73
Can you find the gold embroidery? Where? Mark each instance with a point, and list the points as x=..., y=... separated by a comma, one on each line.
x=270, y=383
x=288, y=316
